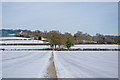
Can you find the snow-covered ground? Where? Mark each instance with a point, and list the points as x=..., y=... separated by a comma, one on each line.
x=19, y=40
x=26, y=47
x=95, y=46
x=86, y=64
x=48, y=46
x=68, y=64
x=14, y=38
x=22, y=42
x=25, y=64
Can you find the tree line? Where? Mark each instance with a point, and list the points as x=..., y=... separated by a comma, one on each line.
x=55, y=38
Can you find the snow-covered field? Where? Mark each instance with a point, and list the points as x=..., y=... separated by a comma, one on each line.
x=22, y=42
x=19, y=40
x=86, y=64
x=73, y=47
x=95, y=46
x=25, y=64
x=68, y=64
x=26, y=47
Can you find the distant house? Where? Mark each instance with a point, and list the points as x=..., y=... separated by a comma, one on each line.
x=32, y=38
x=43, y=39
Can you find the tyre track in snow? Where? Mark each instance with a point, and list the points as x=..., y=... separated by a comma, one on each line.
x=26, y=60
x=17, y=57
x=84, y=68
x=33, y=65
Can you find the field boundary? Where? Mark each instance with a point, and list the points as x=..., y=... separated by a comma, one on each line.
x=49, y=44
x=49, y=49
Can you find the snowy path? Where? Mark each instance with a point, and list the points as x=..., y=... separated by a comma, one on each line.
x=86, y=64
x=25, y=64
x=51, y=71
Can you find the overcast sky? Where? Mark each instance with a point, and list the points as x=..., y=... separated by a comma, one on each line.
x=88, y=17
